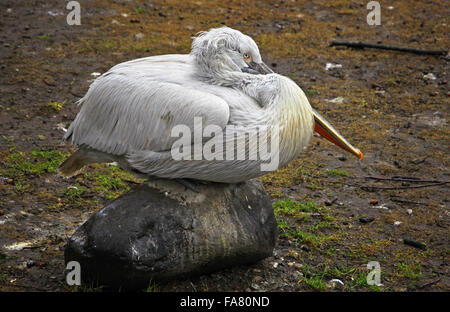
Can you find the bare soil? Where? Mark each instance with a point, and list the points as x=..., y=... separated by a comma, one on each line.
x=331, y=222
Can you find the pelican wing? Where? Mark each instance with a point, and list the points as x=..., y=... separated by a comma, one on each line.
x=135, y=105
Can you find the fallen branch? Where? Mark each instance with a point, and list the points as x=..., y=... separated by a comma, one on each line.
x=382, y=188
x=362, y=45
x=33, y=247
x=414, y=243
x=48, y=83
x=131, y=181
x=405, y=179
x=34, y=288
x=406, y=201
x=429, y=283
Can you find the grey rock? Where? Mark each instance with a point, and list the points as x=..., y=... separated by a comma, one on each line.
x=366, y=219
x=161, y=231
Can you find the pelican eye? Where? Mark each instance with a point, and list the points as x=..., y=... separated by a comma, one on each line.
x=247, y=57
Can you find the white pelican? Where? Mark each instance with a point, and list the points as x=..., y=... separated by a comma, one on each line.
x=129, y=112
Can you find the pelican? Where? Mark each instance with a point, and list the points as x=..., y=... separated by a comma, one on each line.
x=128, y=114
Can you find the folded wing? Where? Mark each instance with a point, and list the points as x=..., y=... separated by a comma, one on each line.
x=135, y=105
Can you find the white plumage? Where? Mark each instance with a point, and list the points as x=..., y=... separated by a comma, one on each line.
x=129, y=111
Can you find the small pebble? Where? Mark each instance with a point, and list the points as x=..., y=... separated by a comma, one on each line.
x=366, y=219
x=414, y=243
x=298, y=265
x=329, y=66
x=305, y=248
x=429, y=76
x=337, y=100
x=335, y=281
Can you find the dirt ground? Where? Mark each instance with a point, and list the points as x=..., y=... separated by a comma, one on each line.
x=333, y=219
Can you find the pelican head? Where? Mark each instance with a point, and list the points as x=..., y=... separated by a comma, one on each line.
x=224, y=49
x=220, y=52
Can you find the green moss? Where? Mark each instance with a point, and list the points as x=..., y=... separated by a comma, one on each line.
x=152, y=287
x=44, y=36
x=290, y=207
x=56, y=106
x=36, y=162
x=21, y=187
x=316, y=282
x=109, y=181
x=315, y=277
x=299, y=236
x=360, y=280
x=73, y=192
x=409, y=270
x=337, y=172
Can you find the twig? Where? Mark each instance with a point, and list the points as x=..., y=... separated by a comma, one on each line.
x=29, y=287
x=32, y=247
x=363, y=45
x=429, y=283
x=405, y=179
x=48, y=83
x=414, y=243
x=373, y=188
x=406, y=201
x=131, y=181
x=88, y=195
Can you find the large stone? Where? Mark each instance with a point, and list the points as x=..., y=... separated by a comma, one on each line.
x=160, y=231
